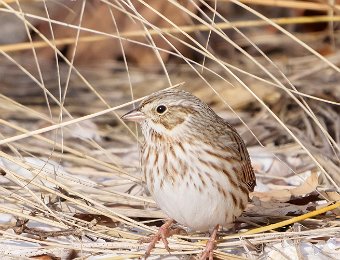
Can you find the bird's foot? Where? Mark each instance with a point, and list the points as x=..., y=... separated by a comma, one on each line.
x=163, y=233
x=208, y=252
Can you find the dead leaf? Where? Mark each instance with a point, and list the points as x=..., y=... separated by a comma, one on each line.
x=332, y=196
x=43, y=257
x=285, y=194
x=308, y=186
x=272, y=208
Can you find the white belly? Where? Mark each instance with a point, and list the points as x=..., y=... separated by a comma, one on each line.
x=199, y=210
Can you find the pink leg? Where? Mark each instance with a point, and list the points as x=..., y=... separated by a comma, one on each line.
x=209, y=248
x=162, y=234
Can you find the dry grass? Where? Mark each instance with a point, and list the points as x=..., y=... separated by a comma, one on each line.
x=71, y=184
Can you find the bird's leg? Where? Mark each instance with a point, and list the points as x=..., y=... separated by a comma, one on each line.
x=163, y=233
x=209, y=248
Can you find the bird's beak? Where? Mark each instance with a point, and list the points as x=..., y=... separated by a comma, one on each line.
x=134, y=116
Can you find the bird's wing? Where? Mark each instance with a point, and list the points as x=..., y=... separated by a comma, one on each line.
x=247, y=173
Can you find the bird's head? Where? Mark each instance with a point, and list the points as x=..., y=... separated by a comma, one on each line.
x=170, y=113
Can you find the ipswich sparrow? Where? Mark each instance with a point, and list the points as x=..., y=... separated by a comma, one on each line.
x=195, y=164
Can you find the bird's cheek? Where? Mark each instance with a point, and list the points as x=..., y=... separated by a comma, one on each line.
x=167, y=125
x=176, y=123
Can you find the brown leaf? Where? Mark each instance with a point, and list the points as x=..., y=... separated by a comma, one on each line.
x=272, y=208
x=332, y=196
x=307, y=187
x=285, y=194
x=97, y=219
x=44, y=257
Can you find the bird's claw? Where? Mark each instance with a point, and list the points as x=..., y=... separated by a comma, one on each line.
x=163, y=233
x=208, y=252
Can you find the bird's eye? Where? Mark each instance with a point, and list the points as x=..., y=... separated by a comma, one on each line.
x=161, y=109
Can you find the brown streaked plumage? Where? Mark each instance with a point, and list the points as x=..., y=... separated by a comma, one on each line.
x=196, y=166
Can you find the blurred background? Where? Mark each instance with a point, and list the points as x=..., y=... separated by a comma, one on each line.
x=70, y=69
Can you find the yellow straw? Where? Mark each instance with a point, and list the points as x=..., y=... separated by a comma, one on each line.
x=287, y=222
